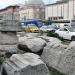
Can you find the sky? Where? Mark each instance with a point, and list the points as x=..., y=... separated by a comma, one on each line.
x=4, y=3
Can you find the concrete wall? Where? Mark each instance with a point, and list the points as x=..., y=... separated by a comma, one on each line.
x=65, y=10
x=71, y=9
x=54, y=11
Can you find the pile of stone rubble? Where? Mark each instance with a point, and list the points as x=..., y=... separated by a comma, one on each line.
x=37, y=52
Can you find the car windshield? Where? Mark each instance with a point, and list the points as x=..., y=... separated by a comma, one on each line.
x=31, y=25
x=44, y=26
x=53, y=27
x=40, y=23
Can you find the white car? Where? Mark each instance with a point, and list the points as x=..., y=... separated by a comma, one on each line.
x=68, y=34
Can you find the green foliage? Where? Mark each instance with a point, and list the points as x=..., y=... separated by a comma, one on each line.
x=8, y=54
x=1, y=60
x=61, y=38
x=52, y=34
x=54, y=72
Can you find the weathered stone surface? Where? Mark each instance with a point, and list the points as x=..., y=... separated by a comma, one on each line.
x=50, y=39
x=25, y=64
x=32, y=35
x=23, y=36
x=67, y=62
x=27, y=35
x=21, y=39
x=52, y=54
x=33, y=45
x=8, y=38
x=60, y=57
x=8, y=50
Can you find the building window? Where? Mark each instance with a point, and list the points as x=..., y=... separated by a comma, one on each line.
x=61, y=17
x=56, y=18
x=48, y=18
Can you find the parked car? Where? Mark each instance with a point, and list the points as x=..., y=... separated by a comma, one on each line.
x=66, y=33
x=55, y=25
x=31, y=28
x=46, y=28
x=24, y=23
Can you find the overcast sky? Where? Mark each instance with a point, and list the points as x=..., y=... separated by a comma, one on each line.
x=4, y=3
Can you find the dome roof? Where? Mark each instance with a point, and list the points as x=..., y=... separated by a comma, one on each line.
x=35, y=3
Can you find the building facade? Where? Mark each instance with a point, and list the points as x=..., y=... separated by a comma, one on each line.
x=64, y=9
x=9, y=13
x=32, y=10
x=9, y=18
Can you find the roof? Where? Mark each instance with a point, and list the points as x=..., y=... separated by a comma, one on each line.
x=8, y=7
x=58, y=2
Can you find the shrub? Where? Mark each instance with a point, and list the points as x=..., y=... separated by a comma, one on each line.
x=8, y=54
x=61, y=38
x=1, y=60
x=53, y=34
x=54, y=71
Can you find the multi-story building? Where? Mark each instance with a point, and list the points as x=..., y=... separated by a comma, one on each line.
x=9, y=18
x=64, y=9
x=32, y=10
x=9, y=13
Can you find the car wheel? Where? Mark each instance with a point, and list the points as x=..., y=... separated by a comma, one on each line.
x=73, y=38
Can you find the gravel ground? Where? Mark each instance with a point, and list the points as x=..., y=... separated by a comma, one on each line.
x=67, y=42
